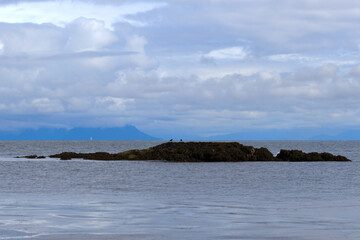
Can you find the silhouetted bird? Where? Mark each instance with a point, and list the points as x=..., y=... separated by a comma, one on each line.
x=171, y=140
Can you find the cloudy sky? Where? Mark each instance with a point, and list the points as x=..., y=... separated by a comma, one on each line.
x=180, y=67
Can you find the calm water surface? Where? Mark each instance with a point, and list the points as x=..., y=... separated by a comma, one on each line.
x=53, y=199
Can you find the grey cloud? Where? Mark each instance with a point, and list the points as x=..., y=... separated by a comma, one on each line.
x=107, y=78
x=39, y=72
x=308, y=97
x=284, y=100
x=268, y=27
x=24, y=59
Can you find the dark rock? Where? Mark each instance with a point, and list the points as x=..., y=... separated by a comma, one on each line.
x=92, y=156
x=263, y=154
x=204, y=152
x=31, y=157
x=300, y=156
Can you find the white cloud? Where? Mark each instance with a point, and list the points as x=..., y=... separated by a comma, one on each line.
x=1, y=47
x=83, y=43
x=61, y=13
x=87, y=35
x=30, y=39
x=35, y=105
x=292, y=57
x=112, y=104
x=46, y=105
x=231, y=53
x=46, y=40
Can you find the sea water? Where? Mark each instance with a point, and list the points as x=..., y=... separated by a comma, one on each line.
x=81, y=199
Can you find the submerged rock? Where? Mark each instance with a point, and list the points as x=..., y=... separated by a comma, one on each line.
x=204, y=152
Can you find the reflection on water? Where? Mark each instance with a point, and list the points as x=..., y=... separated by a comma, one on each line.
x=52, y=199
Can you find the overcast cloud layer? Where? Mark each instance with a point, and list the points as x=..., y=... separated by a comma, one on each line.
x=180, y=67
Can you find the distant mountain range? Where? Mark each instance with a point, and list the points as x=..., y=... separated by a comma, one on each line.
x=291, y=134
x=344, y=135
x=130, y=132
x=127, y=132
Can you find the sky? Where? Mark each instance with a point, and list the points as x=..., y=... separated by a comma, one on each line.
x=180, y=67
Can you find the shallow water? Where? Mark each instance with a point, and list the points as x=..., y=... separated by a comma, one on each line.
x=53, y=199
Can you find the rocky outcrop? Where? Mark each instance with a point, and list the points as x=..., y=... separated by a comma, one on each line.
x=203, y=152
x=300, y=156
x=182, y=152
x=32, y=157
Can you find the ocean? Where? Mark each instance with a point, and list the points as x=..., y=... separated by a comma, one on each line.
x=126, y=200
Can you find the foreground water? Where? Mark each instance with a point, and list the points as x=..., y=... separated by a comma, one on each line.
x=53, y=199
